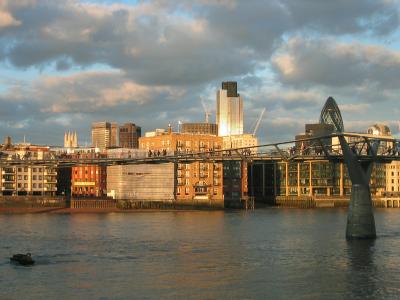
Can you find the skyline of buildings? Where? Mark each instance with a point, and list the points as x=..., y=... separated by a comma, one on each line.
x=213, y=182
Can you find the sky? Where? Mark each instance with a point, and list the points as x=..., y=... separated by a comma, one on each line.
x=67, y=63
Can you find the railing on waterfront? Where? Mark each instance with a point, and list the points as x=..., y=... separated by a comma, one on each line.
x=92, y=203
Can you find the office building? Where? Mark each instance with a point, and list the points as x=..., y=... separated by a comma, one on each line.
x=229, y=110
x=240, y=141
x=200, y=128
x=129, y=135
x=330, y=114
x=200, y=181
x=104, y=135
x=310, y=178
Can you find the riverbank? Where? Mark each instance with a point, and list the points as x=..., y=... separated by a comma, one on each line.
x=21, y=205
x=90, y=210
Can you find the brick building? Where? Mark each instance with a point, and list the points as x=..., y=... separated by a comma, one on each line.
x=89, y=180
x=193, y=181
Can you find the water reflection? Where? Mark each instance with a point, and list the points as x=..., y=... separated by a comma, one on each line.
x=271, y=253
x=363, y=273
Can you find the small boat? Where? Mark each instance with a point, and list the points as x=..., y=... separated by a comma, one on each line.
x=22, y=259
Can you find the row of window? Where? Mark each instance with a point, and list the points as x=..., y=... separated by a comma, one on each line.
x=92, y=172
x=186, y=190
x=34, y=185
x=33, y=169
x=84, y=189
x=34, y=177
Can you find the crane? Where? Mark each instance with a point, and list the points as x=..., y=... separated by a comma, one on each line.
x=206, y=110
x=258, y=121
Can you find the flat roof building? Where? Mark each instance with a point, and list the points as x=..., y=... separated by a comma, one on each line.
x=200, y=128
x=129, y=135
x=200, y=181
x=104, y=135
x=229, y=110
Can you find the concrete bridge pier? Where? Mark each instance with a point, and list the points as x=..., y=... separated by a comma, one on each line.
x=360, y=217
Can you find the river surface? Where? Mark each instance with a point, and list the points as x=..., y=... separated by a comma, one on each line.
x=262, y=254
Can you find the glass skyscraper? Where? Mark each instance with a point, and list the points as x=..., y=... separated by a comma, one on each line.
x=330, y=114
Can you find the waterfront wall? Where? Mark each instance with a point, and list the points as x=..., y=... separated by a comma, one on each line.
x=93, y=203
x=32, y=202
x=330, y=202
x=280, y=201
x=187, y=204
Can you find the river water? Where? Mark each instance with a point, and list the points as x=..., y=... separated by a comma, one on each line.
x=262, y=254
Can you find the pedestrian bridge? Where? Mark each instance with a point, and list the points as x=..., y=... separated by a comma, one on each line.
x=358, y=151
x=316, y=148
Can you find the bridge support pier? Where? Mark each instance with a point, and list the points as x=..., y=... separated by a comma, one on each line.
x=360, y=217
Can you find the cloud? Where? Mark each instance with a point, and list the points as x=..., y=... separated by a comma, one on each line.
x=174, y=43
x=161, y=57
x=354, y=108
x=6, y=20
x=324, y=62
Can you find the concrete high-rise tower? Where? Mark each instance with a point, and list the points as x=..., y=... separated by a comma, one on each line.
x=229, y=110
x=104, y=135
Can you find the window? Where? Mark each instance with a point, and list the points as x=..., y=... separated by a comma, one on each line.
x=19, y=177
x=40, y=177
x=40, y=185
x=40, y=170
x=34, y=169
x=19, y=169
x=34, y=185
x=25, y=185
x=25, y=177
x=26, y=169
x=34, y=177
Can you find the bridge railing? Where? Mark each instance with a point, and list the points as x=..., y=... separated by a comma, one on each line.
x=326, y=147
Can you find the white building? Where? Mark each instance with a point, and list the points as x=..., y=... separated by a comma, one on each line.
x=240, y=141
x=229, y=110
